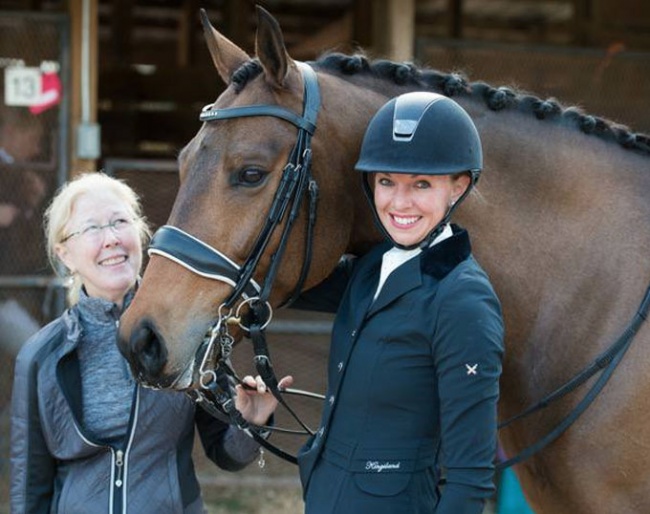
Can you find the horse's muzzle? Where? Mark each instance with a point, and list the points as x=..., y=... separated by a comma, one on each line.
x=146, y=353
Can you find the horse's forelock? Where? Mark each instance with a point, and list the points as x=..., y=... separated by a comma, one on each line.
x=245, y=73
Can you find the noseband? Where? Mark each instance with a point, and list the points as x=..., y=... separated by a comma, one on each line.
x=208, y=262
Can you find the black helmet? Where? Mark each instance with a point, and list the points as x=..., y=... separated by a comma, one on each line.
x=421, y=133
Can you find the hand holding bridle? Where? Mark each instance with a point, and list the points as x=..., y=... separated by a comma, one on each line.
x=255, y=401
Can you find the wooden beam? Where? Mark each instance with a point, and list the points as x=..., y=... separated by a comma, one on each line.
x=237, y=18
x=455, y=17
x=582, y=22
x=402, y=41
x=394, y=29
x=187, y=25
x=122, y=31
x=84, y=71
x=362, y=33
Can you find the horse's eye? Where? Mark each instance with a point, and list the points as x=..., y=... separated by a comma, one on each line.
x=250, y=177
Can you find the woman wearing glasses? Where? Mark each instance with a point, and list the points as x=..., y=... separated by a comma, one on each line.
x=85, y=438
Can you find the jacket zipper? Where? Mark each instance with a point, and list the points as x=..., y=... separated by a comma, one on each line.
x=119, y=471
x=119, y=464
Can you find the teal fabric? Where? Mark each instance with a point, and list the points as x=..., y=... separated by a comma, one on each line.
x=510, y=499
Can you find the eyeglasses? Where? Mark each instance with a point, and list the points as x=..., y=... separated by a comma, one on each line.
x=94, y=232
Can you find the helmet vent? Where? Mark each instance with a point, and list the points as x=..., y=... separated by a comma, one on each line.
x=403, y=130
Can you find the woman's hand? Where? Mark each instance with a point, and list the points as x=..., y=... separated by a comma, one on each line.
x=257, y=404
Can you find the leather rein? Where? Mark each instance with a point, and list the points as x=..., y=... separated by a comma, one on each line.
x=216, y=394
x=606, y=363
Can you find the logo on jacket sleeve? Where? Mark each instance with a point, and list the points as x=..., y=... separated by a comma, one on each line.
x=472, y=369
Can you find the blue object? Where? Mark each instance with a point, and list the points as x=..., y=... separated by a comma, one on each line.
x=510, y=498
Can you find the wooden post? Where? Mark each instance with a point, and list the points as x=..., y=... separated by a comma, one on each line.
x=401, y=33
x=455, y=17
x=122, y=31
x=187, y=26
x=84, y=68
x=237, y=16
x=362, y=33
x=583, y=22
x=392, y=23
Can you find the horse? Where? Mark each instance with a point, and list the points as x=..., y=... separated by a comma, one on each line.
x=559, y=220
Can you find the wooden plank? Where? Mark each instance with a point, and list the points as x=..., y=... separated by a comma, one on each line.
x=180, y=85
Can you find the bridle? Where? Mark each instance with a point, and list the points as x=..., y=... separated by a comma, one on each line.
x=216, y=394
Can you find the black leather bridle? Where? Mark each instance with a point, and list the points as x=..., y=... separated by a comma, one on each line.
x=171, y=242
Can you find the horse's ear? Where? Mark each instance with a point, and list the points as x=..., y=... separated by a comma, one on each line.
x=270, y=49
x=226, y=55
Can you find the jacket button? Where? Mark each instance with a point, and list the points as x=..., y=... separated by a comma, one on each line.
x=340, y=366
x=331, y=400
x=354, y=333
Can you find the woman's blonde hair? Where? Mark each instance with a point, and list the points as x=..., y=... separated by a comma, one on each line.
x=59, y=211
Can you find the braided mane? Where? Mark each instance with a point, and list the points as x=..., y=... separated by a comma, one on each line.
x=456, y=84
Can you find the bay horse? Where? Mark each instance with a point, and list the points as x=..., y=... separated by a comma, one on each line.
x=560, y=221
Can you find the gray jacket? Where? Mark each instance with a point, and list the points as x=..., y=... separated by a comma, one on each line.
x=57, y=466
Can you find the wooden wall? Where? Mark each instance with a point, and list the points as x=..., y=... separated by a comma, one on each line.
x=155, y=73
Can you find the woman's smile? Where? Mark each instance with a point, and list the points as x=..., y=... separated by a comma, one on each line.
x=411, y=206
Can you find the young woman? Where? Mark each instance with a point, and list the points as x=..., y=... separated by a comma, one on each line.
x=85, y=438
x=417, y=341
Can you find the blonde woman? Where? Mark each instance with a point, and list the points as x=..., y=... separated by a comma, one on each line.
x=85, y=437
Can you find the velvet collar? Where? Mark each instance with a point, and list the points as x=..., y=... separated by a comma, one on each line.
x=438, y=260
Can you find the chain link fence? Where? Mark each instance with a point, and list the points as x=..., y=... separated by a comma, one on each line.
x=33, y=142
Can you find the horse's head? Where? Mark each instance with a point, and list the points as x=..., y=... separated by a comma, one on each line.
x=229, y=175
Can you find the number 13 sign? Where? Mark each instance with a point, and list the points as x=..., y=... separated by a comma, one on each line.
x=22, y=85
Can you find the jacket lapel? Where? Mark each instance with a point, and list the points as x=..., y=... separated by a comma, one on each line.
x=363, y=291
x=436, y=262
x=405, y=278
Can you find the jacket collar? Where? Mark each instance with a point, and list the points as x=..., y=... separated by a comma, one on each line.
x=89, y=307
x=436, y=261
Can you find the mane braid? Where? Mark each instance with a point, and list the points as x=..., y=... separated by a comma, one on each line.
x=244, y=74
x=495, y=98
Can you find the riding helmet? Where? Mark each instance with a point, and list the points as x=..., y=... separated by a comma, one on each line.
x=421, y=133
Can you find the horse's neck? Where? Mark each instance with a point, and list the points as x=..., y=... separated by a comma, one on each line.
x=560, y=224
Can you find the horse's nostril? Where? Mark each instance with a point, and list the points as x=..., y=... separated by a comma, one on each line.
x=149, y=353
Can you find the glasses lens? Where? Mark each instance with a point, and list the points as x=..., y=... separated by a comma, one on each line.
x=94, y=232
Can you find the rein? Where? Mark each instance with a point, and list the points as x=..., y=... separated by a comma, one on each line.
x=216, y=394
x=606, y=362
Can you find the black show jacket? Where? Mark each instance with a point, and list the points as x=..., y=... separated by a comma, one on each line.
x=413, y=383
